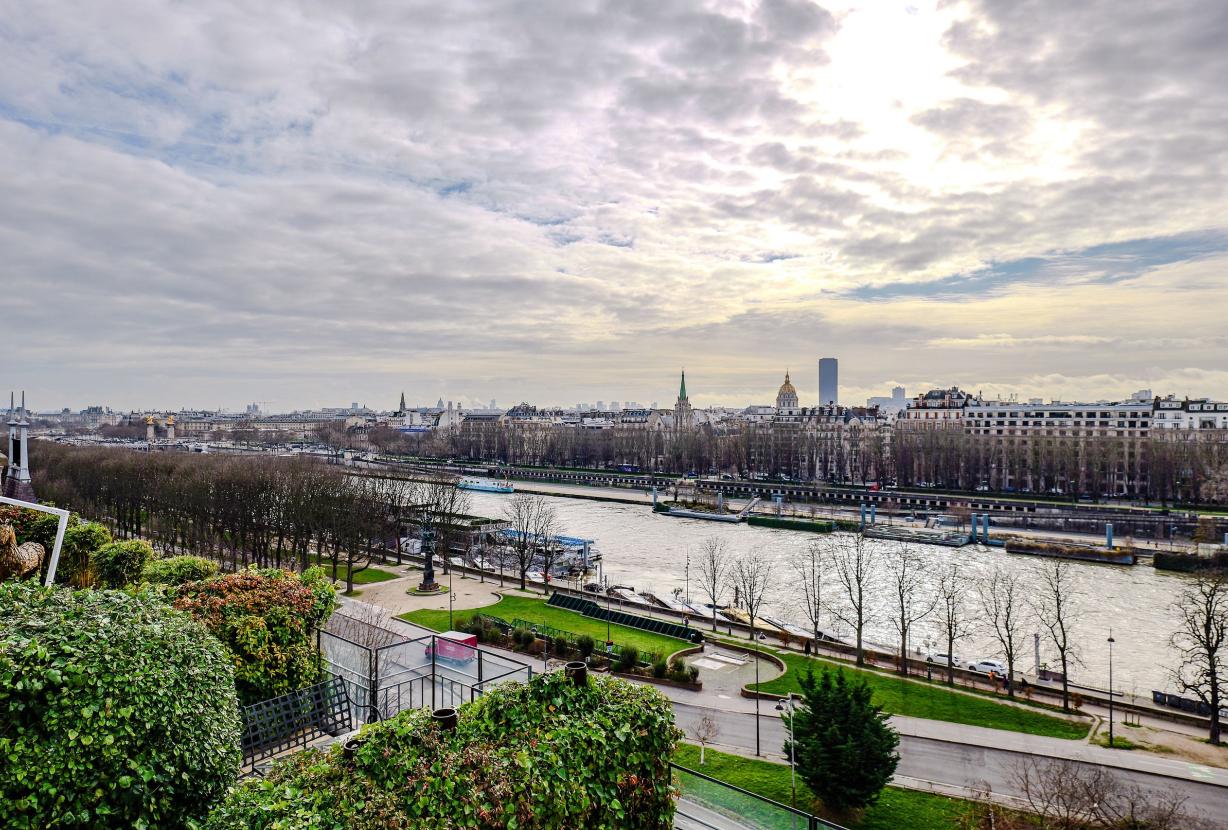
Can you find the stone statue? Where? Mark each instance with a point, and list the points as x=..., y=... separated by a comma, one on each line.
x=18, y=561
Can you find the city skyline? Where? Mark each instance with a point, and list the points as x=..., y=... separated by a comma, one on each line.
x=212, y=205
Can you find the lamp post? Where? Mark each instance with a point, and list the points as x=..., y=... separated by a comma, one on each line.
x=786, y=705
x=545, y=650
x=1111, y=641
x=687, y=571
x=451, y=598
x=757, y=639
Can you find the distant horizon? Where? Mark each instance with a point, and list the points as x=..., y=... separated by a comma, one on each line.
x=663, y=402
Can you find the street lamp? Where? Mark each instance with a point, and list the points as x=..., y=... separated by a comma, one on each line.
x=609, y=641
x=687, y=571
x=451, y=598
x=757, y=641
x=786, y=705
x=545, y=650
x=1111, y=641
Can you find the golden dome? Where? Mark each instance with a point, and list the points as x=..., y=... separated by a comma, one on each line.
x=786, y=387
x=786, y=398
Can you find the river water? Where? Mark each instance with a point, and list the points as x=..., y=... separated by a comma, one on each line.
x=649, y=552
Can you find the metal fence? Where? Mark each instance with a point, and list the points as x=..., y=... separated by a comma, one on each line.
x=709, y=803
x=431, y=671
x=386, y=672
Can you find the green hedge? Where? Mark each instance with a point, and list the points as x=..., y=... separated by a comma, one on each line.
x=115, y=711
x=267, y=619
x=117, y=564
x=176, y=570
x=543, y=755
x=81, y=539
x=780, y=523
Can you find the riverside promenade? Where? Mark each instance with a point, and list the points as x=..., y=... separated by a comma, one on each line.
x=951, y=759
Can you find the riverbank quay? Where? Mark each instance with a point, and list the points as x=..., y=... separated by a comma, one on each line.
x=1032, y=519
x=1019, y=511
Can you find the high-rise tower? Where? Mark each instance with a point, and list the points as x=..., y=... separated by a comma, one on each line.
x=829, y=381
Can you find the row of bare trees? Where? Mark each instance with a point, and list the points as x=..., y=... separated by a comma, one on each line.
x=1168, y=465
x=243, y=510
x=857, y=582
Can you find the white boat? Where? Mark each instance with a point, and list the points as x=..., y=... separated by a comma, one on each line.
x=483, y=486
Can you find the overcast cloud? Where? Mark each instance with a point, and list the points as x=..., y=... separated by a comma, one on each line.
x=314, y=203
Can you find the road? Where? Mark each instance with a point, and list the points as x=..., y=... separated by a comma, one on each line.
x=960, y=759
x=965, y=767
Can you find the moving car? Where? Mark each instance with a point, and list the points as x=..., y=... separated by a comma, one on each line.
x=944, y=659
x=987, y=666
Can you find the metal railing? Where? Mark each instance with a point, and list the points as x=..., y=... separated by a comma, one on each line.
x=708, y=802
x=291, y=722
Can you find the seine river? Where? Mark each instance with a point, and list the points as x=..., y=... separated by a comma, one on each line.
x=649, y=552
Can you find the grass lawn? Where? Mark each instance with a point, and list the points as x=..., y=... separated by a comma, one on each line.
x=895, y=808
x=935, y=702
x=367, y=576
x=537, y=611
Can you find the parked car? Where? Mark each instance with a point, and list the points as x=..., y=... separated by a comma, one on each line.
x=945, y=659
x=987, y=666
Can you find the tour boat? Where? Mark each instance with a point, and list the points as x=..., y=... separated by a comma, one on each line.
x=481, y=486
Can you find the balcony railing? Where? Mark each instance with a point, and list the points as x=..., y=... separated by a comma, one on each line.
x=709, y=804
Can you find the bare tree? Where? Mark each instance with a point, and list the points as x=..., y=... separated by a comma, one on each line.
x=1067, y=795
x=367, y=625
x=855, y=564
x=912, y=600
x=705, y=731
x=444, y=505
x=713, y=569
x=545, y=528
x=1001, y=593
x=521, y=512
x=810, y=566
x=1056, y=605
x=753, y=579
x=1202, y=640
x=952, y=611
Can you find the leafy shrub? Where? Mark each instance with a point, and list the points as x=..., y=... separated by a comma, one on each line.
x=266, y=619
x=117, y=564
x=124, y=716
x=680, y=671
x=77, y=550
x=561, y=646
x=628, y=658
x=176, y=570
x=523, y=637
x=521, y=756
x=659, y=668
x=585, y=645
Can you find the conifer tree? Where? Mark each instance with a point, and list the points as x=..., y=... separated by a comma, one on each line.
x=845, y=750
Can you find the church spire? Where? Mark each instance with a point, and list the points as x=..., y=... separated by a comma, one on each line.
x=402, y=409
x=682, y=388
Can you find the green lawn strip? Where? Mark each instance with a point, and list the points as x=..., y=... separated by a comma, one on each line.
x=366, y=576
x=537, y=611
x=895, y=808
x=933, y=702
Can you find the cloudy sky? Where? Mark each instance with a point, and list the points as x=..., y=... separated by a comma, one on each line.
x=209, y=203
